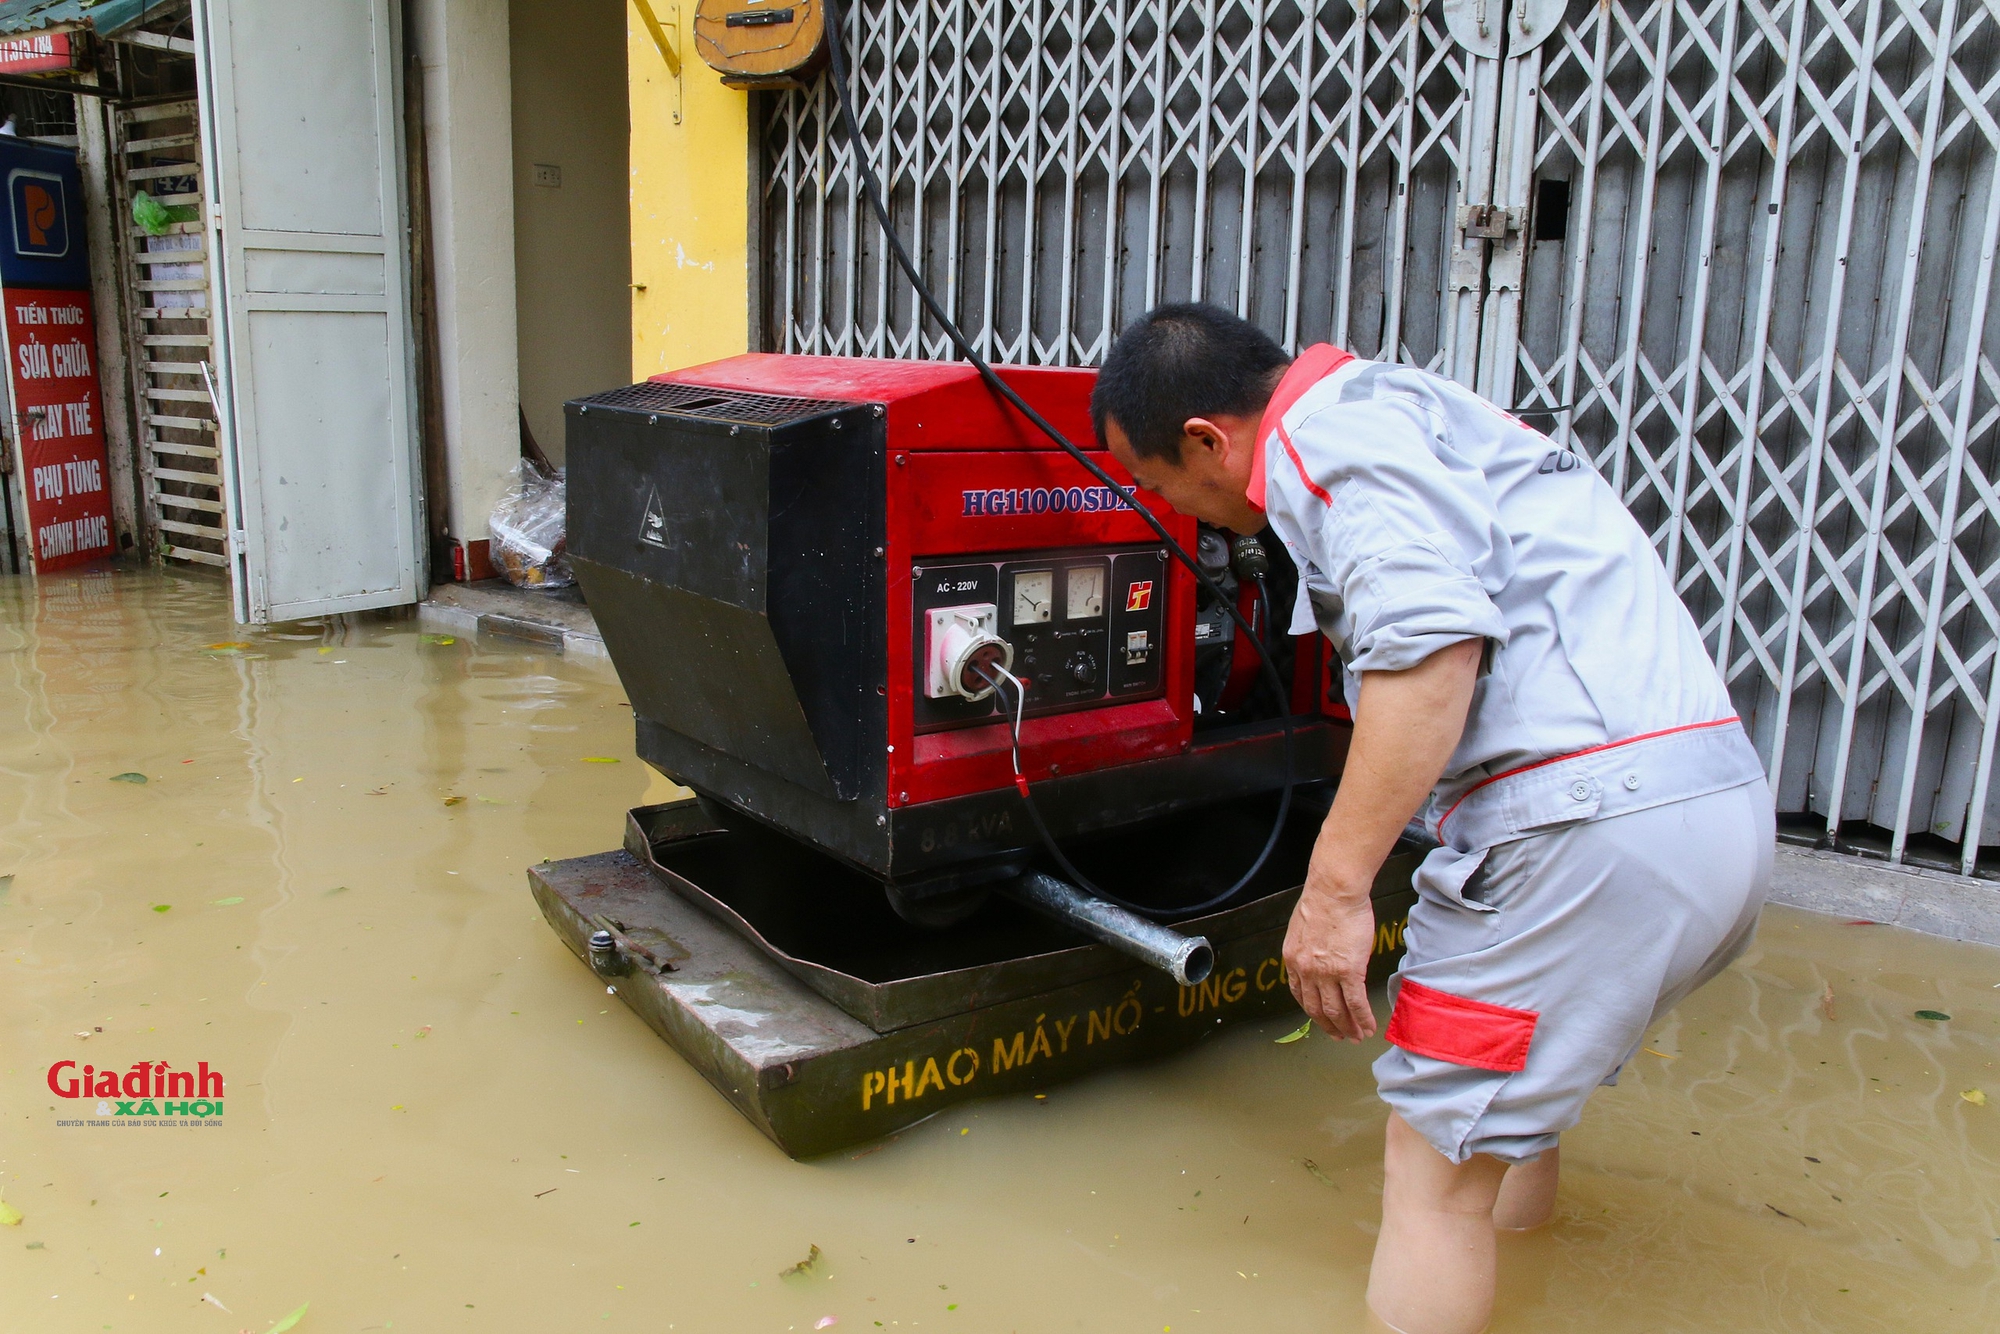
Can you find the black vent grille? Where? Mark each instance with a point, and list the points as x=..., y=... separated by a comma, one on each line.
x=730, y=405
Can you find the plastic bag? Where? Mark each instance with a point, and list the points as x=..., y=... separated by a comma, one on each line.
x=526, y=527
x=155, y=218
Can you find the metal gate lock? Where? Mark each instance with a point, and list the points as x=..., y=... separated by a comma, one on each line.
x=1489, y=222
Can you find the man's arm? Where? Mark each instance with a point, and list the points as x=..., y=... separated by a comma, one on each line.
x=1406, y=726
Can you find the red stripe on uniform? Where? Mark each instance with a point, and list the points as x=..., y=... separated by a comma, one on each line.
x=1577, y=754
x=1460, y=1030
x=1313, y=365
x=1285, y=438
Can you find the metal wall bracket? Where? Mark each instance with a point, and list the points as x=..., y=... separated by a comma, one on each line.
x=670, y=51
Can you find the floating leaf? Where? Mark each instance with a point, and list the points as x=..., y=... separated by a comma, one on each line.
x=338, y=889
x=1977, y=1097
x=290, y=1320
x=1322, y=1177
x=129, y=778
x=454, y=801
x=214, y=1301
x=224, y=903
x=600, y=759
x=163, y=907
x=11, y=1217
x=1936, y=1016
x=6, y=883
x=228, y=646
x=803, y=1267
x=1297, y=1033
x=439, y=639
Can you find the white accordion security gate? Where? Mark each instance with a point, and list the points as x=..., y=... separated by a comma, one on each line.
x=1738, y=254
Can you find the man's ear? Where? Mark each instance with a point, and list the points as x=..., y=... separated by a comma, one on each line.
x=1206, y=435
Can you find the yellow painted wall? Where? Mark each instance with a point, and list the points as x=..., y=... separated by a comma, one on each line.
x=690, y=200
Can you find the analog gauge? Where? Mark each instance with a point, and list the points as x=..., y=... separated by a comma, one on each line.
x=1034, y=596
x=1086, y=592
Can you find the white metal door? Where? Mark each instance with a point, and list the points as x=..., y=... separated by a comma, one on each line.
x=1771, y=325
x=300, y=113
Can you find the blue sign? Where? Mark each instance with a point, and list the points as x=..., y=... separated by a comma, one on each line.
x=43, y=244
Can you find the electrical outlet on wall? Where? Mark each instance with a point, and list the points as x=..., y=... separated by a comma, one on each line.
x=548, y=174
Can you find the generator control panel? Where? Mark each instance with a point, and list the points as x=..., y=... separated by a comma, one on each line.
x=1080, y=627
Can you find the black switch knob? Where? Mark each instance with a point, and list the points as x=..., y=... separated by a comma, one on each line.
x=1083, y=669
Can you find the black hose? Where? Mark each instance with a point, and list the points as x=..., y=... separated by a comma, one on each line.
x=837, y=60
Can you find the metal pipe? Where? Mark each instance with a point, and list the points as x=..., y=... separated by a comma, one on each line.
x=1188, y=959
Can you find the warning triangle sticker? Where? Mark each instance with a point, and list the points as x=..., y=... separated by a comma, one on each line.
x=653, y=528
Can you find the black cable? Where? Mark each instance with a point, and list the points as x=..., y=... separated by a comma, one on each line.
x=1062, y=862
x=837, y=59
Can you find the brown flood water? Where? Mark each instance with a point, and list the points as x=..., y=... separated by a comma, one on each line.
x=437, y=1120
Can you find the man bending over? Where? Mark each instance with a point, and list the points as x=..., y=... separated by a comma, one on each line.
x=1525, y=682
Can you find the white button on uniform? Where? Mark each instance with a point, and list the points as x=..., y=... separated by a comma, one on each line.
x=1579, y=790
x=1631, y=782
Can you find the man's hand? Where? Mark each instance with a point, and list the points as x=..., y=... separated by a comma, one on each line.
x=1405, y=729
x=1327, y=948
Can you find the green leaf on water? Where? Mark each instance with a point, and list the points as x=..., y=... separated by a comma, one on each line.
x=1938, y=1015
x=440, y=639
x=129, y=778
x=290, y=1320
x=224, y=903
x=1298, y=1032
x=9, y=1215
x=162, y=907
x=600, y=759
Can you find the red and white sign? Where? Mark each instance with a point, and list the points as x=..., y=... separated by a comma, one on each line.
x=1139, y=596
x=52, y=369
x=37, y=53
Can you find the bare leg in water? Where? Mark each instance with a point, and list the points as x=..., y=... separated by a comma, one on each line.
x=1528, y=1193
x=1434, y=1260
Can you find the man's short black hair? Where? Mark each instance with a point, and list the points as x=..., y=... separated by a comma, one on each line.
x=1181, y=361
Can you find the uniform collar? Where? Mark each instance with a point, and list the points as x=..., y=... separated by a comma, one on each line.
x=1313, y=365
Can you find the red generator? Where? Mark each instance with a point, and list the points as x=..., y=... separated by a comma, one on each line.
x=806, y=569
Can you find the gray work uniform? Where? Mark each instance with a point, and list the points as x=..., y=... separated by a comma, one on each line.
x=1604, y=826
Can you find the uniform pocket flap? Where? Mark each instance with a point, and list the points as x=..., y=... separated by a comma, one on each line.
x=1461, y=1030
